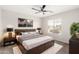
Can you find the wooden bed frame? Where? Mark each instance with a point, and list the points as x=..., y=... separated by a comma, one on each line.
x=36, y=50
x=18, y=31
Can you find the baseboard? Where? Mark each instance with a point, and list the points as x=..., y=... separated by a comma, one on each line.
x=63, y=41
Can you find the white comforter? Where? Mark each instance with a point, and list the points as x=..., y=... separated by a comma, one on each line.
x=29, y=44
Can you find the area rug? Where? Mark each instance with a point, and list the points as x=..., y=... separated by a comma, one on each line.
x=16, y=50
x=52, y=50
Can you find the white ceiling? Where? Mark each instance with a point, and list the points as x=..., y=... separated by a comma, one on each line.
x=27, y=9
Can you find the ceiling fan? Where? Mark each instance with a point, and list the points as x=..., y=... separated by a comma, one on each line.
x=42, y=9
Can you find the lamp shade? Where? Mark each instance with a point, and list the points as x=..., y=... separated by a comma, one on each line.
x=9, y=29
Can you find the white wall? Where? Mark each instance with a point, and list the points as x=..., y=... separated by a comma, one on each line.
x=0, y=23
x=1, y=29
x=67, y=19
x=11, y=18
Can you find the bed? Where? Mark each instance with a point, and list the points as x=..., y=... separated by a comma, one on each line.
x=33, y=43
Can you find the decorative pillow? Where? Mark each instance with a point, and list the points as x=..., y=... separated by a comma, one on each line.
x=25, y=33
x=33, y=32
x=29, y=34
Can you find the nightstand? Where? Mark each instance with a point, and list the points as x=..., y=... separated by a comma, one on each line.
x=9, y=41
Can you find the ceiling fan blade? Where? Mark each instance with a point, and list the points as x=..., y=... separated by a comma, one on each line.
x=49, y=11
x=35, y=9
x=37, y=12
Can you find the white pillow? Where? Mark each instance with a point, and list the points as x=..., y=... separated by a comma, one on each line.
x=25, y=33
x=33, y=32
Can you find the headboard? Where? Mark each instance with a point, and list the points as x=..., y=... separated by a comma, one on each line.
x=18, y=31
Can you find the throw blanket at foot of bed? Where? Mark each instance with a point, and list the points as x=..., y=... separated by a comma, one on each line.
x=37, y=45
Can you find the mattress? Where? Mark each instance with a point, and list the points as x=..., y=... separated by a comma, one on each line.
x=32, y=43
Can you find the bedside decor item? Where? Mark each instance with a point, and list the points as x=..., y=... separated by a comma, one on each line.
x=39, y=30
x=75, y=29
x=9, y=31
x=25, y=22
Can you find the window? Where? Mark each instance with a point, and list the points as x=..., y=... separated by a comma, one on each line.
x=54, y=25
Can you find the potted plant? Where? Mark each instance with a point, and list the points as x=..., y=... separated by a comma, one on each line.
x=74, y=30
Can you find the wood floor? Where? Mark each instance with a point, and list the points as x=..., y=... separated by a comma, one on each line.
x=9, y=50
x=65, y=49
